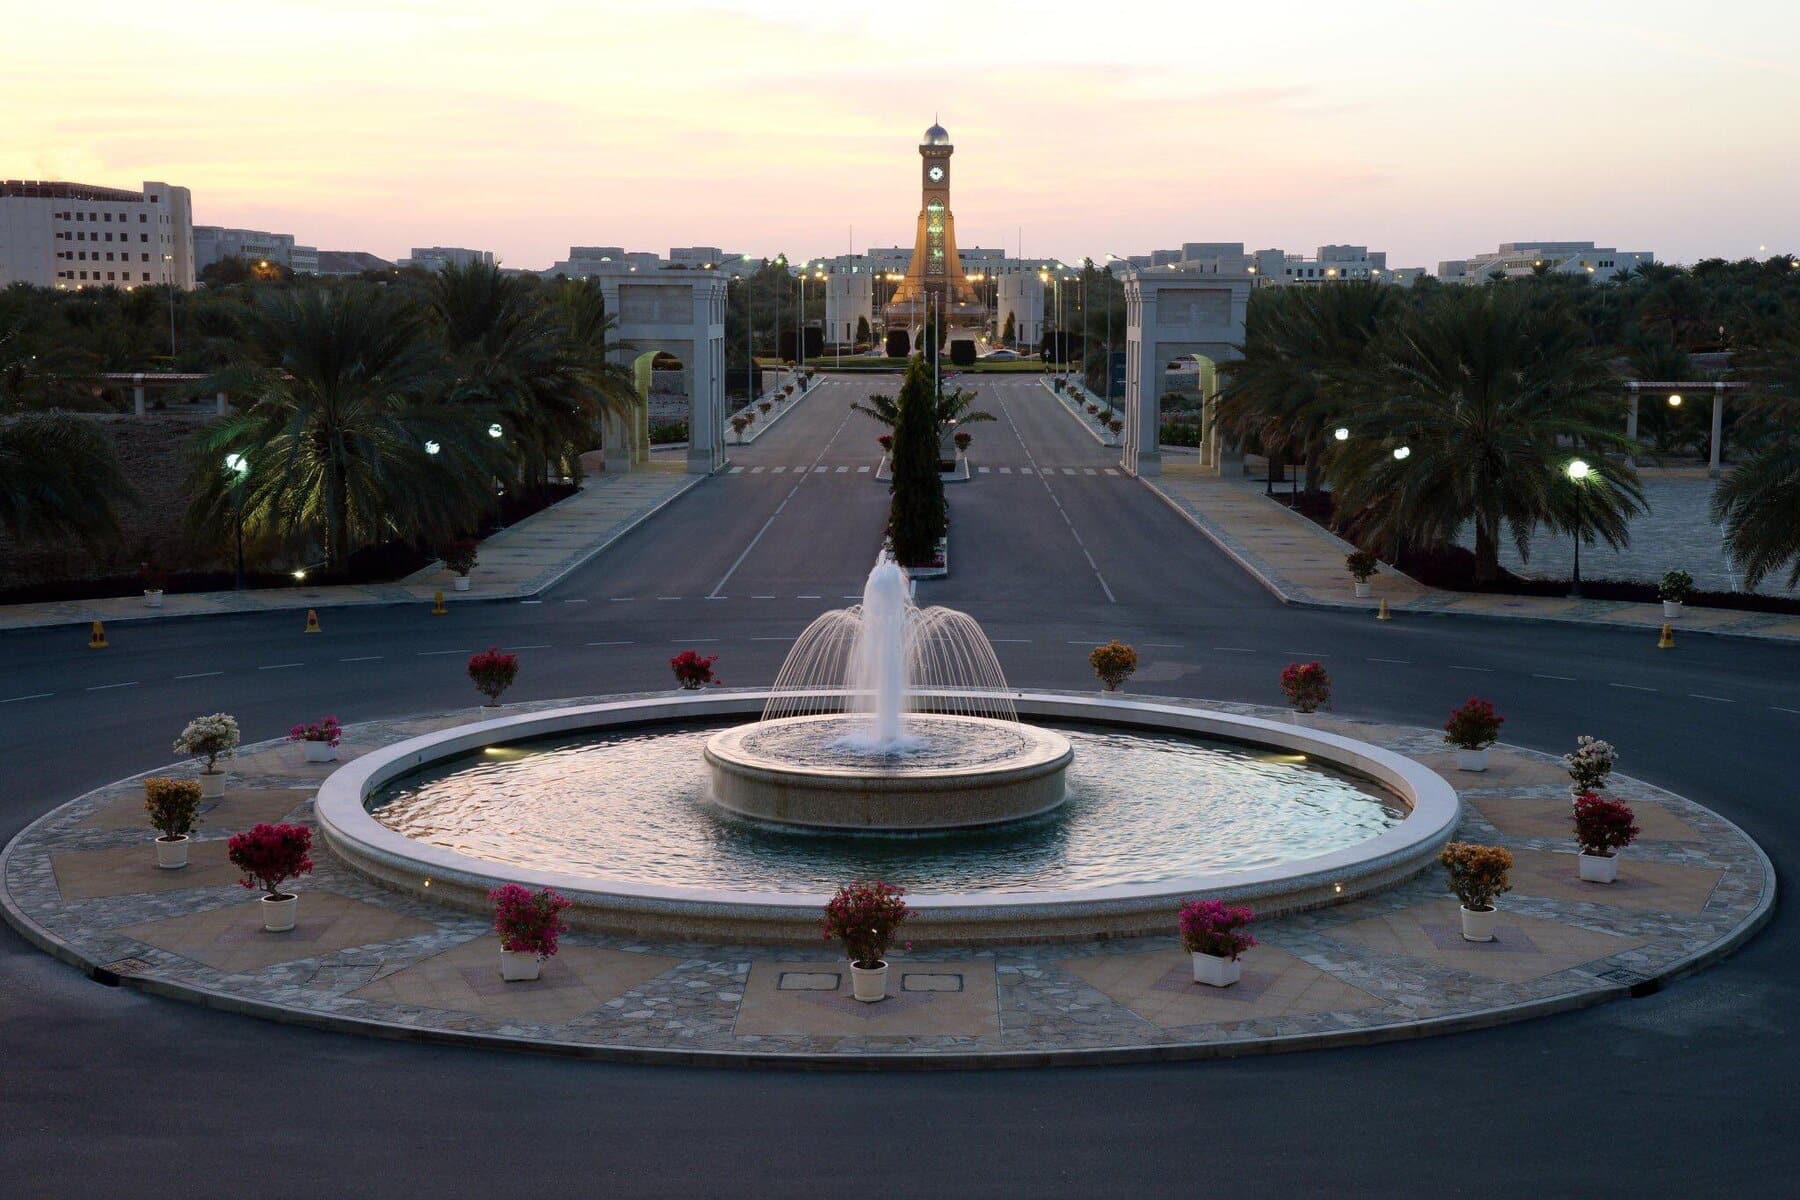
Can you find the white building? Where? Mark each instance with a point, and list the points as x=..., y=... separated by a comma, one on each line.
x=1517, y=259
x=213, y=243
x=1019, y=294
x=436, y=258
x=74, y=235
x=1275, y=268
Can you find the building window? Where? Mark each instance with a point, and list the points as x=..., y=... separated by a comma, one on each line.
x=142, y=218
x=146, y=275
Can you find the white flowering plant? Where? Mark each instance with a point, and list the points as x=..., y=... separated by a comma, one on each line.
x=1590, y=764
x=211, y=738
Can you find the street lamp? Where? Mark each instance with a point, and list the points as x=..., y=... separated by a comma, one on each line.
x=1341, y=434
x=1675, y=400
x=495, y=431
x=432, y=447
x=1578, y=473
x=237, y=466
x=1402, y=453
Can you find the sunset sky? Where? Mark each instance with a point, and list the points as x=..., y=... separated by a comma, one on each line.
x=1424, y=129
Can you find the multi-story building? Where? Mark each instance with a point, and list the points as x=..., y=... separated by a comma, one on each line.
x=213, y=243
x=1276, y=268
x=436, y=258
x=1516, y=259
x=75, y=235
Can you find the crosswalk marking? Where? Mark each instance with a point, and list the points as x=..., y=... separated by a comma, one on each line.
x=819, y=470
x=982, y=470
x=841, y=470
x=1068, y=470
x=777, y=470
x=1111, y=471
x=1088, y=471
x=740, y=470
x=1006, y=470
x=865, y=470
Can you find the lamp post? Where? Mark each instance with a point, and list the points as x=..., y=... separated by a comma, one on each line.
x=1110, y=259
x=237, y=466
x=1401, y=454
x=1578, y=472
x=749, y=343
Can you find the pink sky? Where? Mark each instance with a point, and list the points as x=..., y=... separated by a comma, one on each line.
x=1427, y=130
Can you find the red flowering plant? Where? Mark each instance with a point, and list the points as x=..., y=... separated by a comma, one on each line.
x=886, y=440
x=963, y=439
x=271, y=855
x=694, y=670
x=493, y=671
x=1216, y=928
x=1306, y=686
x=864, y=916
x=527, y=922
x=459, y=556
x=1474, y=726
x=327, y=730
x=1603, y=826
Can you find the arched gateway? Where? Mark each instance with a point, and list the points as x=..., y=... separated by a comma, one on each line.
x=682, y=314
x=1171, y=313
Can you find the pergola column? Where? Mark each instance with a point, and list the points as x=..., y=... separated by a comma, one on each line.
x=1631, y=421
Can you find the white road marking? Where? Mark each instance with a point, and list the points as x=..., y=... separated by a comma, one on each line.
x=363, y=658
x=1006, y=470
x=1235, y=649
x=771, y=639
x=762, y=597
x=668, y=597
x=686, y=641
x=1306, y=654
x=1715, y=699
x=820, y=470
x=806, y=597
x=777, y=470
x=430, y=653
x=1776, y=707
x=1558, y=678
x=612, y=643
x=280, y=666
x=583, y=600
x=983, y=470
x=200, y=675
x=1399, y=662
x=1162, y=645
x=105, y=687
x=1483, y=670
x=865, y=470
x=1631, y=687
x=531, y=602
x=545, y=646
x=842, y=470
x=715, y=597
x=1110, y=471
x=33, y=696
x=622, y=599
x=1021, y=642
x=735, y=471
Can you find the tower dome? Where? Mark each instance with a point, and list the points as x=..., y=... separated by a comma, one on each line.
x=935, y=136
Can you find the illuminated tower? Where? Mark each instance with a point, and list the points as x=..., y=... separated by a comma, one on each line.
x=934, y=279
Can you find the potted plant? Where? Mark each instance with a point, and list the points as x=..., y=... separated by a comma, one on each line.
x=528, y=925
x=493, y=671
x=740, y=423
x=319, y=739
x=1472, y=729
x=1362, y=566
x=887, y=441
x=763, y=406
x=1590, y=764
x=1212, y=932
x=1113, y=664
x=1602, y=828
x=211, y=738
x=1092, y=408
x=1115, y=424
x=963, y=440
x=1674, y=590
x=459, y=556
x=270, y=855
x=864, y=917
x=1477, y=876
x=1307, y=687
x=694, y=670
x=174, y=806
x=154, y=579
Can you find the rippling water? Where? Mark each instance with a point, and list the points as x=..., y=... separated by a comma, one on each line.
x=632, y=806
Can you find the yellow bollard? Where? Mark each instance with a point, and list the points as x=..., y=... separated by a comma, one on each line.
x=437, y=605
x=1381, y=614
x=312, y=621
x=1667, y=641
x=97, y=637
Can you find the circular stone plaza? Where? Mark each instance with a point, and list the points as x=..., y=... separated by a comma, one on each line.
x=1042, y=1030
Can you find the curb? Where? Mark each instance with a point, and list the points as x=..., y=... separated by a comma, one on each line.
x=763, y=426
x=693, y=481
x=1062, y=399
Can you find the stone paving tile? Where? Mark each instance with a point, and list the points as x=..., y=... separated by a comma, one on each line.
x=929, y=1008
x=1642, y=883
x=132, y=870
x=1526, y=947
x=232, y=938
x=237, y=809
x=1552, y=817
x=1159, y=986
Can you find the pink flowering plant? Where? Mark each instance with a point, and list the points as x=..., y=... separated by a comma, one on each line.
x=1306, y=686
x=493, y=671
x=327, y=730
x=529, y=922
x=864, y=916
x=1216, y=928
x=270, y=855
x=1603, y=826
x=694, y=670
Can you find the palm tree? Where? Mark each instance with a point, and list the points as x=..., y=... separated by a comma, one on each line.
x=59, y=478
x=1492, y=396
x=1759, y=502
x=587, y=332
x=953, y=407
x=340, y=428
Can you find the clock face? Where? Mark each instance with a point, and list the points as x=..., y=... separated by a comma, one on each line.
x=937, y=174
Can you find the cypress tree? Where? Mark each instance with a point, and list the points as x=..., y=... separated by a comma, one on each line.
x=917, y=514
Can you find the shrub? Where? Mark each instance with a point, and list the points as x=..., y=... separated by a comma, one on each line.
x=963, y=440
x=271, y=855
x=154, y=577
x=740, y=423
x=529, y=923
x=1603, y=826
x=1474, y=726
x=663, y=432
x=493, y=671
x=327, y=731
x=1590, y=764
x=1113, y=663
x=459, y=556
x=886, y=440
x=211, y=738
x=1115, y=424
x=694, y=670
x=173, y=805
x=1213, y=927
x=1477, y=873
x=864, y=917
x=1675, y=586
x=1361, y=565
x=1307, y=686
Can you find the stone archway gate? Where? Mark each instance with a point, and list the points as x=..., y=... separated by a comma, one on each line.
x=1171, y=314
x=682, y=314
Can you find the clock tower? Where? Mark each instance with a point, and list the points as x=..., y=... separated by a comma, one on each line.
x=934, y=279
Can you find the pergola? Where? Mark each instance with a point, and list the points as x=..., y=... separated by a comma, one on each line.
x=1680, y=389
x=142, y=381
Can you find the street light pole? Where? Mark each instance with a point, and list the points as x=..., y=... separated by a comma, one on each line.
x=1578, y=473
x=238, y=466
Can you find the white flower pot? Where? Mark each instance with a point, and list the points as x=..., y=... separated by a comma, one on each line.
x=1471, y=760
x=212, y=784
x=1215, y=970
x=317, y=752
x=868, y=984
x=460, y=583
x=487, y=712
x=516, y=966
x=1599, y=868
x=1478, y=926
x=1363, y=589
x=153, y=597
x=1303, y=718
x=171, y=853
x=1671, y=609
x=278, y=911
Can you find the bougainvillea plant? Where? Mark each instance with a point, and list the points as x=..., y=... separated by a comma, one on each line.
x=886, y=440
x=1306, y=686
x=1113, y=664
x=173, y=805
x=1590, y=764
x=1603, y=826
x=493, y=671
x=270, y=855
x=528, y=922
x=694, y=670
x=1477, y=873
x=864, y=917
x=327, y=730
x=1474, y=726
x=1216, y=928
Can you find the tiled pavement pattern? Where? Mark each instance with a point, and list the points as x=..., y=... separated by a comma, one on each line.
x=81, y=880
x=516, y=562
x=1304, y=564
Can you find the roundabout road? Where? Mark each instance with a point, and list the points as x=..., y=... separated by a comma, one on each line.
x=1687, y=1090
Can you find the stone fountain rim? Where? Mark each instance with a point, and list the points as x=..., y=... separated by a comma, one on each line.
x=1041, y=750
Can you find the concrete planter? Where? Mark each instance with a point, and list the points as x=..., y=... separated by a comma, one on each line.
x=319, y=752
x=1215, y=970
x=869, y=984
x=460, y=583
x=279, y=911
x=1363, y=589
x=153, y=598
x=1599, y=868
x=518, y=966
x=1471, y=760
x=1478, y=924
x=1671, y=609
x=212, y=784
x=172, y=853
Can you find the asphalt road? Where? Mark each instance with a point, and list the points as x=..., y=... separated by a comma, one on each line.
x=1689, y=1091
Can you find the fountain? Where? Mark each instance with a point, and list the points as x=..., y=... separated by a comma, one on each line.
x=889, y=717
